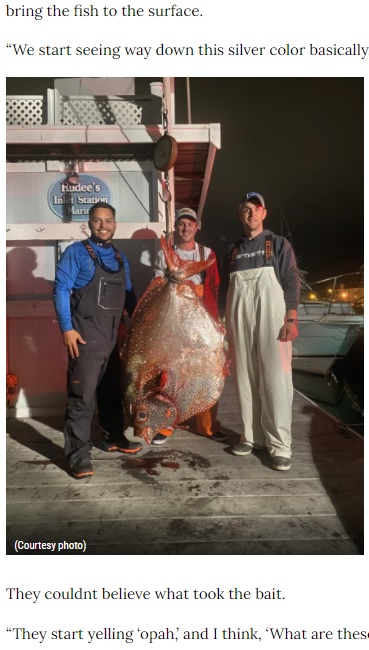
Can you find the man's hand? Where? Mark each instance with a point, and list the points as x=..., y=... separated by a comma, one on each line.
x=70, y=339
x=289, y=332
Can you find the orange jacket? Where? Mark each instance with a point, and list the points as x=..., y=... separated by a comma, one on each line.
x=211, y=287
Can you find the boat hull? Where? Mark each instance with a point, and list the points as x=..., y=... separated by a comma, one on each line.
x=322, y=341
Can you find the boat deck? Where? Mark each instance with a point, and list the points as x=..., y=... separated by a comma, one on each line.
x=191, y=495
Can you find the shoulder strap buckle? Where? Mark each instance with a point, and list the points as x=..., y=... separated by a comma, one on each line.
x=91, y=252
x=268, y=252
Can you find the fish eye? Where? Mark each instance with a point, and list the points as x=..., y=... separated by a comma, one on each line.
x=141, y=415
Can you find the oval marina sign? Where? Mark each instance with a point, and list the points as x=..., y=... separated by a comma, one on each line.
x=72, y=200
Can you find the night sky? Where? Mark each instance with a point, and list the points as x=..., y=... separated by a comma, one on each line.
x=299, y=142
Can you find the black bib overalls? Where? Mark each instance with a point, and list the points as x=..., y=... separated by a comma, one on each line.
x=96, y=313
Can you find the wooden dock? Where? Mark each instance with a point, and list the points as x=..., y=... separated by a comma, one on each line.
x=191, y=495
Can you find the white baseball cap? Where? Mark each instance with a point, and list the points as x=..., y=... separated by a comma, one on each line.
x=185, y=213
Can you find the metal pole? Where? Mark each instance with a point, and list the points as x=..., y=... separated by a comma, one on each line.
x=332, y=296
x=169, y=120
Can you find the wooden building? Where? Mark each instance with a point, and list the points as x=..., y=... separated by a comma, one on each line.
x=86, y=140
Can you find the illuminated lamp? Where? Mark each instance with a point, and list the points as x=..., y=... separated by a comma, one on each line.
x=73, y=174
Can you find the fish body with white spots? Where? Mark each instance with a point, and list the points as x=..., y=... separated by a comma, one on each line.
x=173, y=356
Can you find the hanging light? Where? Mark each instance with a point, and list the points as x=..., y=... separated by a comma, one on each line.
x=73, y=174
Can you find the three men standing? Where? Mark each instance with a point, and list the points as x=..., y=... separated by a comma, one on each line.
x=92, y=287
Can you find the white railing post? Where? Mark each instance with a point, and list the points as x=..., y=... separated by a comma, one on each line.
x=50, y=112
x=156, y=89
x=57, y=107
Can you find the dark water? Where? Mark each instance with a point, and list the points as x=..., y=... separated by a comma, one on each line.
x=342, y=392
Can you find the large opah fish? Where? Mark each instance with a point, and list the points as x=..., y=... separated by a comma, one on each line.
x=173, y=356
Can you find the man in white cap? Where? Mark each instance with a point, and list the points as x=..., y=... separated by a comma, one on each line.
x=207, y=288
x=262, y=301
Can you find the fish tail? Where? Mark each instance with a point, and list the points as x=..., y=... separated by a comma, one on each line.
x=175, y=264
x=169, y=253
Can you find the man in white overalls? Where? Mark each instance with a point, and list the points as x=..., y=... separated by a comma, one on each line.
x=262, y=301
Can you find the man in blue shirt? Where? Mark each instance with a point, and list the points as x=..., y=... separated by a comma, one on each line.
x=92, y=287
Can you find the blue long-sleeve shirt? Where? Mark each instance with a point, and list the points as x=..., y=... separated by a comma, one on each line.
x=76, y=269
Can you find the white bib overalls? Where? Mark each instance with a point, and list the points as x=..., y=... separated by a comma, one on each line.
x=261, y=363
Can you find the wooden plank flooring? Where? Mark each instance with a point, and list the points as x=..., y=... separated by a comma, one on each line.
x=191, y=495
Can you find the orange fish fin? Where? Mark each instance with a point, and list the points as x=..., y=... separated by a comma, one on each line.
x=166, y=432
x=163, y=379
x=186, y=268
x=192, y=268
x=170, y=255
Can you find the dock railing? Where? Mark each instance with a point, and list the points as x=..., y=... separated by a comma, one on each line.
x=333, y=291
x=67, y=110
x=348, y=295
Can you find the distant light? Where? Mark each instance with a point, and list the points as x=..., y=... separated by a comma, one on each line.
x=344, y=295
x=330, y=290
x=312, y=296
